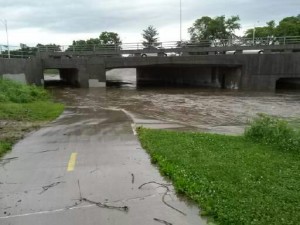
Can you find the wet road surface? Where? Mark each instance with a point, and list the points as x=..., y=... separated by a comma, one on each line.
x=89, y=155
x=58, y=174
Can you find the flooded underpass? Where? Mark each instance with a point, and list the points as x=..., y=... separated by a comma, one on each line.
x=211, y=110
x=88, y=167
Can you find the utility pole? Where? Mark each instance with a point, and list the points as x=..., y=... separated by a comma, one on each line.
x=253, y=35
x=180, y=21
x=254, y=32
x=7, y=42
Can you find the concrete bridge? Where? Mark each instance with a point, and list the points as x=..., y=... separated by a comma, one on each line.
x=239, y=71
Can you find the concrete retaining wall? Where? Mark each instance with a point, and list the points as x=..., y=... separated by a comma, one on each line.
x=12, y=66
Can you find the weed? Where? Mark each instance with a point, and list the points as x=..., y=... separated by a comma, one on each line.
x=273, y=131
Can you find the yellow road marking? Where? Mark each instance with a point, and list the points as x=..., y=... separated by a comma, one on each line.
x=72, y=162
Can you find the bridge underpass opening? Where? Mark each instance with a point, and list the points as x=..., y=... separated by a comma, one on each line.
x=288, y=84
x=125, y=77
x=206, y=76
x=61, y=77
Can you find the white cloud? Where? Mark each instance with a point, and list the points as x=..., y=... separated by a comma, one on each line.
x=37, y=21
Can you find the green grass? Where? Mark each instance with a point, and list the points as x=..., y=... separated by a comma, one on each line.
x=11, y=91
x=4, y=147
x=24, y=104
x=233, y=179
x=34, y=111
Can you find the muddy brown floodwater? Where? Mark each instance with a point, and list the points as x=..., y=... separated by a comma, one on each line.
x=220, y=111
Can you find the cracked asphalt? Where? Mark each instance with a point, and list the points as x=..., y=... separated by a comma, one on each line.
x=80, y=169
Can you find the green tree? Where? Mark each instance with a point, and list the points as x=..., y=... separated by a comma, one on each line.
x=25, y=51
x=289, y=26
x=48, y=47
x=80, y=45
x=265, y=31
x=265, y=35
x=282, y=33
x=109, y=38
x=92, y=41
x=214, y=29
x=106, y=40
x=150, y=36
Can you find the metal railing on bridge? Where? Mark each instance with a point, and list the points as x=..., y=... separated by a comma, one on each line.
x=24, y=51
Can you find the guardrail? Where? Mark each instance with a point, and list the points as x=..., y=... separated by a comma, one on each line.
x=25, y=51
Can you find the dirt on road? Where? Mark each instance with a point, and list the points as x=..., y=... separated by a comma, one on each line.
x=12, y=130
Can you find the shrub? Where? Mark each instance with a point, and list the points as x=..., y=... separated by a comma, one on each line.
x=273, y=131
x=11, y=91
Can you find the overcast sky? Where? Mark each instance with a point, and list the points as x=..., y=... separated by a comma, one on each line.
x=61, y=21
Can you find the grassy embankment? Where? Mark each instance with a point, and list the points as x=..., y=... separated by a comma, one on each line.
x=23, y=108
x=249, y=179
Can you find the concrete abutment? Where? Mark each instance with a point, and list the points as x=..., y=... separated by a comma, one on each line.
x=34, y=71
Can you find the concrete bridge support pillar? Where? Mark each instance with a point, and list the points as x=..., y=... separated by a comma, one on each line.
x=83, y=77
x=97, y=72
x=215, y=77
x=145, y=77
x=232, y=78
x=96, y=69
x=101, y=74
x=34, y=71
x=259, y=82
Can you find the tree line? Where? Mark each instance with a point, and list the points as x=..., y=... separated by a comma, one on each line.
x=25, y=51
x=205, y=31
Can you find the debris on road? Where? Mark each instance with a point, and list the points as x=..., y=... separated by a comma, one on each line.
x=94, y=170
x=162, y=221
x=3, y=162
x=99, y=204
x=45, y=188
x=102, y=205
x=8, y=159
x=50, y=150
x=166, y=186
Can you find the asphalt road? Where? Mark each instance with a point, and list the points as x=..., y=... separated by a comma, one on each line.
x=79, y=169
